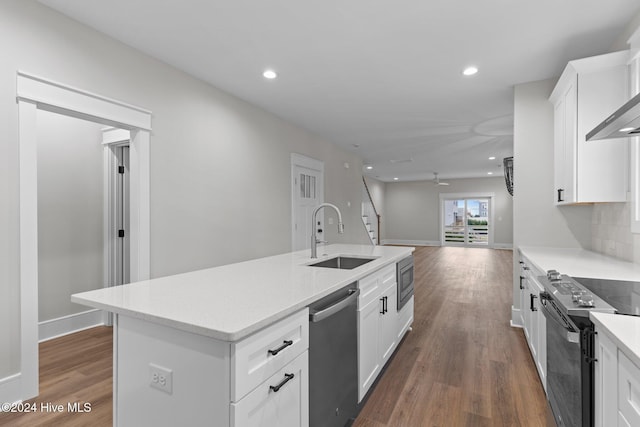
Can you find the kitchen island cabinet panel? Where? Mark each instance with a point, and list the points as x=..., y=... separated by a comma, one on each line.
x=369, y=364
x=389, y=323
x=200, y=374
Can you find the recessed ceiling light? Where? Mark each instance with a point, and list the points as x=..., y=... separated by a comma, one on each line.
x=626, y=129
x=489, y=173
x=470, y=71
x=492, y=158
x=395, y=178
x=369, y=167
x=270, y=74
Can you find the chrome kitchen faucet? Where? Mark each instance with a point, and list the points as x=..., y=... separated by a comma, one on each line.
x=314, y=237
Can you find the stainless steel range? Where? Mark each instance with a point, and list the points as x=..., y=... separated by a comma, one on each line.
x=566, y=305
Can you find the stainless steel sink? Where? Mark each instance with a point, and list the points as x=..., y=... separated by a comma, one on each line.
x=342, y=262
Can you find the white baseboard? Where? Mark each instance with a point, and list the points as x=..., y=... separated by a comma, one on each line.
x=516, y=317
x=66, y=325
x=11, y=389
x=411, y=242
x=503, y=246
x=435, y=243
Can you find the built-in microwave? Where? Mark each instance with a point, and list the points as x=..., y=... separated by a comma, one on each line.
x=404, y=269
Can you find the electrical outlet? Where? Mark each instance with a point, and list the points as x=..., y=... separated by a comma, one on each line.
x=161, y=378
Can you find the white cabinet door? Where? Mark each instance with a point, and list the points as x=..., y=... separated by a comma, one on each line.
x=524, y=306
x=628, y=391
x=368, y=341
x=539, y=330
x=565, y=112
x=605, y=381
x=282, y=400
x=587, y=92
x=405, y=319
x=388, y=323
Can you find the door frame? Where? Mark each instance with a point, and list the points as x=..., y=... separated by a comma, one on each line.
x=310, y=163
x=36, y=93
x=112, y=140
x=457, y=196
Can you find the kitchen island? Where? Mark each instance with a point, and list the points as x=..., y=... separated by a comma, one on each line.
x=208, y=347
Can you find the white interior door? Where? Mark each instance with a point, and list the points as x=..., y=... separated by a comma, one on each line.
x=122, y=217
x=307, y=186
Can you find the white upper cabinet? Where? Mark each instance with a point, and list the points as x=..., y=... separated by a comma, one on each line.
x=634, y=86
x=588, y=91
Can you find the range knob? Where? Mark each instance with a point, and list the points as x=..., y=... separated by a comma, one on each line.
x=576, y=295
x=586, y=300
x=553, y=275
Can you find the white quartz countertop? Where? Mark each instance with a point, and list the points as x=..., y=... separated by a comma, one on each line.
x=232, y=301
x=623, y=330
x=581, y=263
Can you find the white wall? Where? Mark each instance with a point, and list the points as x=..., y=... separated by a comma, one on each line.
x=70, y=220
x=413, y=208
x=536, y=220
x=220, y=167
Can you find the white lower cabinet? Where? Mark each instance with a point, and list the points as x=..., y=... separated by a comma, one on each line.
x=605, y=381
x=628, y=392
x=388, y=323
x=282, y=400
x=533, y=321
x=261, y=380
x=617, y=385
x=380, y=325
x=368, y=354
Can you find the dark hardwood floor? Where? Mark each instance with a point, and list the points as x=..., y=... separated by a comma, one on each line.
x=462, y=365
x=76, y=368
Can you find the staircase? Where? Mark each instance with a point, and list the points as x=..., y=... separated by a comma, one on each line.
x=370, y=216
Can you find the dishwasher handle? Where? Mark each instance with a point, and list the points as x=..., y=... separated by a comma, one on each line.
x=317, y=316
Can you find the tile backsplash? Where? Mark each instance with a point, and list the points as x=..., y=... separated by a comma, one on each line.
x=611, y=232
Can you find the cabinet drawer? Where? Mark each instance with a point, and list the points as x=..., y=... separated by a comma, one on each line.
x=369, y=290
x=388, y=275
x=628, y=390
x=371, y=285
x=253, y=359
x=281, y=400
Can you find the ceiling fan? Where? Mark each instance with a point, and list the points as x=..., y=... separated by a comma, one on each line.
x=436, y=180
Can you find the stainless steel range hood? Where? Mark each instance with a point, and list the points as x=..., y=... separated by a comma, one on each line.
x=624, y=122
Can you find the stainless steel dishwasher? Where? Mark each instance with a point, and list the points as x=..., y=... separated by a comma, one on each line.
x=333, y=359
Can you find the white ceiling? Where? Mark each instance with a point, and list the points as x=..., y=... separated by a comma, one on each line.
x=381, y=78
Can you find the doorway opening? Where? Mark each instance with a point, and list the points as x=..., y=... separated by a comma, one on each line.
x=82, y=214
x=38, y=94
x=466, y=220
